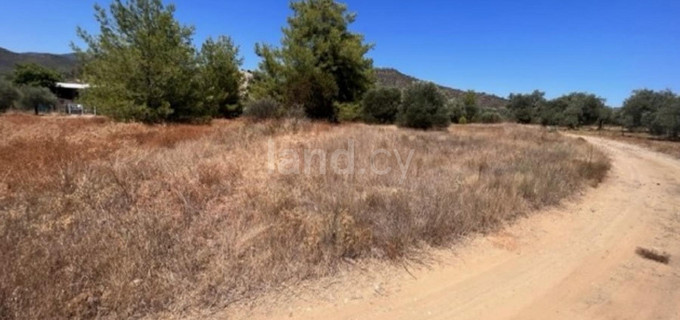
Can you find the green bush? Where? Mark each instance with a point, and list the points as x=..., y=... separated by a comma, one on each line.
x=424, y=107
x=8, y=95
x=462, y=120
x=456, y=110
x=381, y=105
x=36, y=98
x=265, y=108
x=491, y=117
x=348, y=112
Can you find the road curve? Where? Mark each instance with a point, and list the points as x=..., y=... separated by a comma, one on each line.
x=577, y=261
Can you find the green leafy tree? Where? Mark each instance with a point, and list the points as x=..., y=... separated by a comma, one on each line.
x=36, y=98
x=524, y=107
x=641, y=107
x=381, y=105
x=320, y=62
x=8, y=95
x=142, y=64
x=668, y=118
x=423, y=107
x=574, y=110
x=470, y=106
x=456, y=110
x=220, y=76
x=34, y=75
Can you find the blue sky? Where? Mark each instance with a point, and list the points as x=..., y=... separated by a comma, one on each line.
x=605, y=47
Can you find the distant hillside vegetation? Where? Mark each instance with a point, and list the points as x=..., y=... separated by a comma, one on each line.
x=64, y=63
x=393, y=78
x=387, y=77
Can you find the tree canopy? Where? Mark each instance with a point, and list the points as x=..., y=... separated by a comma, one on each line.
x=143, y=66
x=658, y=111
x=423, y=107
x=34, y=75
x=320, y=61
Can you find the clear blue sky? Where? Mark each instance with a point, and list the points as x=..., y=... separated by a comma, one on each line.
x=605, y=47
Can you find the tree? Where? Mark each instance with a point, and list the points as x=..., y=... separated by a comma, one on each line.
x=423, y=107
x=641, y=107
x=8, y=95
x=574, y=110
x=142, y=64
x=34, y=75
x=320, y=62
x=525, y=107
x=381, y=105
x=456, y=110
x=668, y=117
x=220, y=76
x=34, y=98
x=470, y=106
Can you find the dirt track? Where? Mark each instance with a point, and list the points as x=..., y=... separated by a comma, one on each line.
x=577, y=261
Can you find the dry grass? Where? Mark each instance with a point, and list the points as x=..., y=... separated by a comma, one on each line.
x=657, y=144
x=109, y=220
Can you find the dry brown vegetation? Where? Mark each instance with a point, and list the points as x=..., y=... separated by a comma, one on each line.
x=110, y=220
x=657, y=144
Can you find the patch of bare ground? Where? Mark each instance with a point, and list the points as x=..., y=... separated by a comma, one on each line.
x=109, y=220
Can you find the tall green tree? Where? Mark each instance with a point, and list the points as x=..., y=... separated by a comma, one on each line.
x=35, y=98
x=320, y=62
x=668, y=118
x=525, y=107
x=641, y=107
x=8, y=95
x=142, y=63
x=574, y=110
x=220, y=76
x=34, y=75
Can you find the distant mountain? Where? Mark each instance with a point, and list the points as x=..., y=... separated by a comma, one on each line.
x=388, y=77
x=64, y=63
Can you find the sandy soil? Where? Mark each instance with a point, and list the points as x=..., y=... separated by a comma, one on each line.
x=577, y=261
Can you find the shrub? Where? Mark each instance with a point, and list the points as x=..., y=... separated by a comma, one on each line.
x=8, y=95
x=456, y=110
x=381, y=105
x=462, y=120
x=424, y=107
x=348, y=112
x=266, y=108
x=36, y=98
x=491, y=117
x=470, y=106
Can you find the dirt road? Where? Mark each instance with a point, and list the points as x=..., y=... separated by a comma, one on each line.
x=577, y=261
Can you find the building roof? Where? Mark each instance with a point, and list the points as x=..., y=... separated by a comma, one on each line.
x=71, y=85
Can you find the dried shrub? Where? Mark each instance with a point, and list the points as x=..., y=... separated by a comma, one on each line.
x=111, y=220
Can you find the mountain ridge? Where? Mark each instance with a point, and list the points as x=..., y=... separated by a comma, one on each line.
x=64, y=63
x=390, y=77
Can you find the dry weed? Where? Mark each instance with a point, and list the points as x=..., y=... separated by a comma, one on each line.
x=109, y=220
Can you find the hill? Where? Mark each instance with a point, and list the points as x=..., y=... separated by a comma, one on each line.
x=64, y=63
x=389, y=77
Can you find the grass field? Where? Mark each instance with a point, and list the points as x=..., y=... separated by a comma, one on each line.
x=112, y=220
